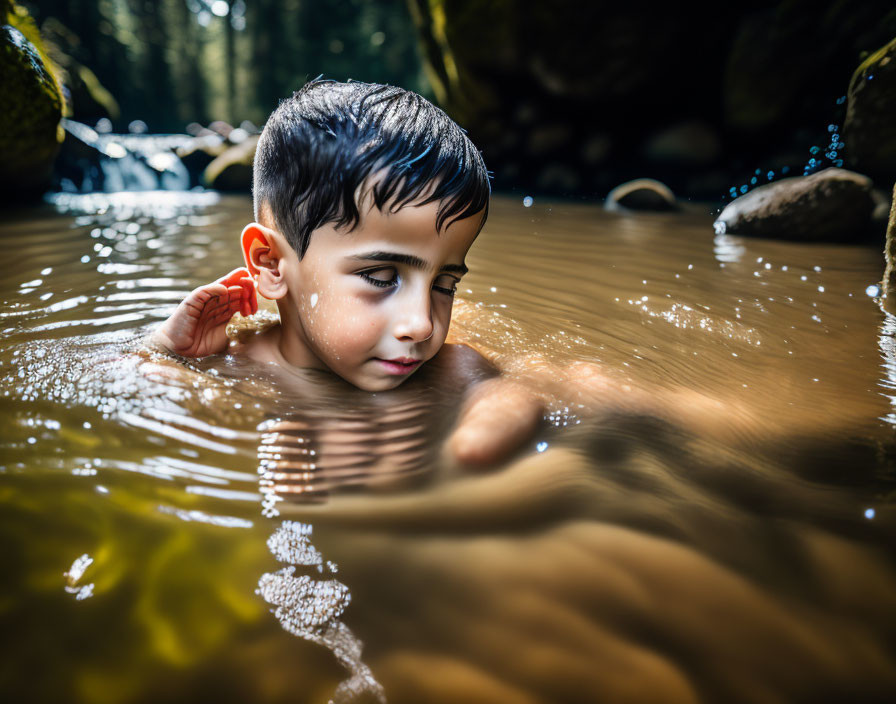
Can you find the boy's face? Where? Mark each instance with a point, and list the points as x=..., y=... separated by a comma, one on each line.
x=373, y=304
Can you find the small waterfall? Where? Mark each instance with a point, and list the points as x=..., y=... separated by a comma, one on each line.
x=91, y=161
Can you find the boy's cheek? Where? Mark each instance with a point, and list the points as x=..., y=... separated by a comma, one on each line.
x=340, y=329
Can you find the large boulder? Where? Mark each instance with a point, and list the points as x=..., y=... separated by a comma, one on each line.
x=831, y=205
x=534, y=83
x=870, y=127
x=789, y=56
x=30, y=110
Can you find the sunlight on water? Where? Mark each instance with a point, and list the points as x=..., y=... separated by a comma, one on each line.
x=310, y=608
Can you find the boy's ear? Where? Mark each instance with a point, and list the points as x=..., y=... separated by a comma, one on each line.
x=263, y=260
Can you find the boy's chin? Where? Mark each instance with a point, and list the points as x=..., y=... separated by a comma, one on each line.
x=384, y=384
x=375, y=382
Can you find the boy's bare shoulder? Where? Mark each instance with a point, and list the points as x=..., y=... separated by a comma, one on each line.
x=256, y=343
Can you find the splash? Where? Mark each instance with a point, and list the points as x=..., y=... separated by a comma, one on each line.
x=310, y=608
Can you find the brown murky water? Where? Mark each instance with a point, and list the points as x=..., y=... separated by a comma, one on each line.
x=710, y=519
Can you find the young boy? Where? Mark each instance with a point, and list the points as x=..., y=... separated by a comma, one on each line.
x=367, y=199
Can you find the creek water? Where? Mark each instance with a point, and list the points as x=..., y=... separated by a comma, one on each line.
x=705, y=514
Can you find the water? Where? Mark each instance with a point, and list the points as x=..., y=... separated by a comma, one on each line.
x=705, y=515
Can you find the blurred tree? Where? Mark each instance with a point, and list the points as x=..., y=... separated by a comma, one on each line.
x=169, y=62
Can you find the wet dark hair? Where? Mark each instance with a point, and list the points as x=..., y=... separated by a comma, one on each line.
x=321, y=144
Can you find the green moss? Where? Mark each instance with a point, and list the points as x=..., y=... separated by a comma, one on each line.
x=30, y=107
x=18, y=17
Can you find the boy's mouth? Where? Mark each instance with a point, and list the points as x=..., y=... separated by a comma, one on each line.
x=399, y=365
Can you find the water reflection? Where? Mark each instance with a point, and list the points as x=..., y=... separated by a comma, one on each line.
x=310, y=453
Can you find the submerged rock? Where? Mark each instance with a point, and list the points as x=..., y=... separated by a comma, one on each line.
x=641, y=194
x=232, y=170
x=831, y=205
x=30, y=110
x=870, y=127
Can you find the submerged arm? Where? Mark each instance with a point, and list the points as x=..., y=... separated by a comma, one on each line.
x=499, y=414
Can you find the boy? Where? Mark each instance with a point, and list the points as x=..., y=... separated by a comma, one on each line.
x=367, y=199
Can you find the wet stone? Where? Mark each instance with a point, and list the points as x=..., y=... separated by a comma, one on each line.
x=831, y=205
x=641, y=194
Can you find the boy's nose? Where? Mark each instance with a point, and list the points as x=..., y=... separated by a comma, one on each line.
x=415, y=322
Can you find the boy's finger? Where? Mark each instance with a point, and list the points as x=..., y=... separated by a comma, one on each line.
x=250, y=297
x=253, y=297
x=234, y=276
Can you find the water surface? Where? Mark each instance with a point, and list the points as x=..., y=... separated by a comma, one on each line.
x=705, y=514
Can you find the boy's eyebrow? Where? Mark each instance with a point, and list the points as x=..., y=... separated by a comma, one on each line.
x=410, y=260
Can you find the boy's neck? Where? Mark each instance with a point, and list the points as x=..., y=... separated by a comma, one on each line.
x=292, y=344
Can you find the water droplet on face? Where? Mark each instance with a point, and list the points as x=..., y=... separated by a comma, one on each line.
x=314, y=299
x=541, y=447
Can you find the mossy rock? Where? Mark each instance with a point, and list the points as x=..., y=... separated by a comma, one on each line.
x=870, y=128
x=30, y=110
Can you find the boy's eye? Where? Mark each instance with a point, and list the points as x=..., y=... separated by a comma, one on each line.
x=446, y=285
x=386, y=276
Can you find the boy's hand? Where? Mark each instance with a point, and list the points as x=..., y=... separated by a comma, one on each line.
x=198, y=326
